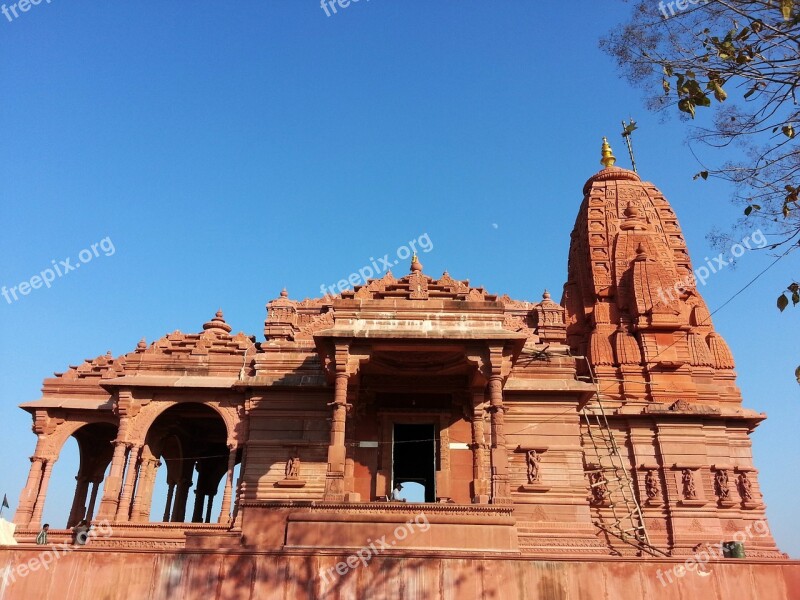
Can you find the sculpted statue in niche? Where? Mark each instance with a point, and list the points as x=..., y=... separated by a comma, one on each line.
x=532, y=458
x=721, y=483
x=689, y=490
x=598, y=487
x=651, y=485
x=745, y=487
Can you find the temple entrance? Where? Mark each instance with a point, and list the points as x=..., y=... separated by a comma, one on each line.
x=414, y=461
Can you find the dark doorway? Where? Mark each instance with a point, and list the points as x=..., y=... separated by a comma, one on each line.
x=414, y=457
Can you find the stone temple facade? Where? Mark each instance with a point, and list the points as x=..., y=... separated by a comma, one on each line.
x=581, y=449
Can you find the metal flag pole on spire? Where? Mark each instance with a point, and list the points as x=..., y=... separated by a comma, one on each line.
x=627, y=130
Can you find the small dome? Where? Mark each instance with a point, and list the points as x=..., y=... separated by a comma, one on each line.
x=217, y=324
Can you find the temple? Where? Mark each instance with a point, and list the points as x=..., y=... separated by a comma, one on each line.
x=605, y=433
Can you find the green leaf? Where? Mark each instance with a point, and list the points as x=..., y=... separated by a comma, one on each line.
x=795, y=298
x=783, y=302
x=788, y=131
x=797, y=374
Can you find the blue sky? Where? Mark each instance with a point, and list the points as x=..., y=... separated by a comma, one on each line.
x=228, y=152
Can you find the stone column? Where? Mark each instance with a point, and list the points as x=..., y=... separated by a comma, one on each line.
x=208, y=508
x=501, y=493
x=181, y=497
x=334, y=481
x=144, y=489
x=124, y=506
x=27, y=497
x=111, y=491
x=442, y=474
x=240, y=485
x=168, y=507
x=78, y=511
x=225, y=510
x=92, y=500
x=350, y=443
x=480, y=485
x=36, y=518
x=199, y=500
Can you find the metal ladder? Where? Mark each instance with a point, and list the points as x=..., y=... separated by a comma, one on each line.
x=628, y=522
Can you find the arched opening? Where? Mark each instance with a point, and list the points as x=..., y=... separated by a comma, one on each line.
x=412, y=491
x=87, y=453
x=185, y=448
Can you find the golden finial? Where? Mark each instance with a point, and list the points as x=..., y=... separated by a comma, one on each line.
x=415, y=264
x=608, y=158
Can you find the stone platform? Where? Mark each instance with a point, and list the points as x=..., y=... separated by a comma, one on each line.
x=292, y=575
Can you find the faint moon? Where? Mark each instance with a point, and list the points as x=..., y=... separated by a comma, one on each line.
x=495, y=225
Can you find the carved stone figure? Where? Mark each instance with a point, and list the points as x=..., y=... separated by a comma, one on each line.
x=689, y=490
x=745, y=487
x=532, y=457
x=293, y=468
x=651, y=486
x=721, y=483
x=598, y=487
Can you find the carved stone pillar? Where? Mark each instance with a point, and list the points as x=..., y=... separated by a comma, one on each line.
x=124, y=506
x=144, y=489
x=168, y=506
x=209, y=508
x=334, y=480
x=27, y=497
x=480, y=483
x=225, y=510
x=36, y=518
x=181, y=497
x=501, y=493
x=78, y=511
x=113, y=485
x=93, y=500
x=350, y=443
x=443, y=489
x=199, y=500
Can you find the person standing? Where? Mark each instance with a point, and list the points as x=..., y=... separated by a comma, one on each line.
x=41, y=539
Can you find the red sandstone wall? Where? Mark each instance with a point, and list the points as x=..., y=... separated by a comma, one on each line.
x=130, y=575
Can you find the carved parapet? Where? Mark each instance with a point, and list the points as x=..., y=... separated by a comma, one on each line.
x=281, y=322
x=550, y=320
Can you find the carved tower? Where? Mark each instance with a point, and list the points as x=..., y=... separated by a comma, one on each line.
x=663, y=373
